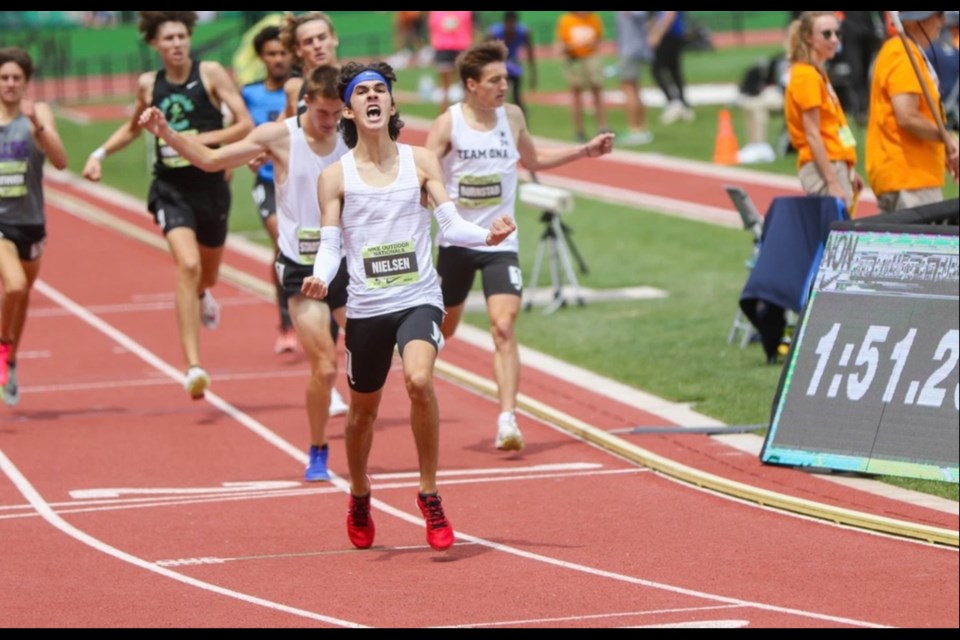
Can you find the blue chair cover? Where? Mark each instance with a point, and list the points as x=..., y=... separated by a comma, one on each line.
x=795, y=232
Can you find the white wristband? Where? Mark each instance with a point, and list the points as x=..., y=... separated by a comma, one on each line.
x=100, y=154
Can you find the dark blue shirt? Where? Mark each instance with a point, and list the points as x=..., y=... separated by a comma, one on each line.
x=679, y=27
x=515, y=45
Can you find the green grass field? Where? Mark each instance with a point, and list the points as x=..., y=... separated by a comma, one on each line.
x=675, y=347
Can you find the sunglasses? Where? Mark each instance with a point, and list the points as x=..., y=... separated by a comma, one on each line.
x=828, y=34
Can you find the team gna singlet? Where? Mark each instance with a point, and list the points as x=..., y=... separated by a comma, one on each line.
x=481, y=174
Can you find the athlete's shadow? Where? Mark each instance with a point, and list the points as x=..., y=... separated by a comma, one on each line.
x=530, y=449
x=52, y=415
x=207, y=414
x=460, y=552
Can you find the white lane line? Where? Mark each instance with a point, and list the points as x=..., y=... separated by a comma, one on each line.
x=54, y=520
x=33, y=355
x=603, y=616
x=137, y=307
x=105, y=505
x=107, y=385
x=238, y=487
x=226, y=489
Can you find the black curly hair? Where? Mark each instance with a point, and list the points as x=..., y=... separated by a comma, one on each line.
x=349, y=71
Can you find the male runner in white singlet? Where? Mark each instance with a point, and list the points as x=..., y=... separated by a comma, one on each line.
x=479, y=143
x=372, y=204
x=300, y=148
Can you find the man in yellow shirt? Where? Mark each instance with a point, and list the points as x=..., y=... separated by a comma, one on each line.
x=906, y=153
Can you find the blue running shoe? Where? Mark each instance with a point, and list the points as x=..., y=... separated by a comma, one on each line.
x=11, y=390
x=317, y=467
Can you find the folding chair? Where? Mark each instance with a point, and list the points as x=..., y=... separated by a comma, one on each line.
x=752, y=222
x=795, y=230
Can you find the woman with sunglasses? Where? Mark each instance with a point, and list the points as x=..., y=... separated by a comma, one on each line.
x=817, y=125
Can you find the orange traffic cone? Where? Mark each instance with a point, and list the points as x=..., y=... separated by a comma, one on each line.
x=727, y=148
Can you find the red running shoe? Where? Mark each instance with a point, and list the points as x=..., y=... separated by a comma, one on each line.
x=4, y=365
x=439, y=530
x=360, y=527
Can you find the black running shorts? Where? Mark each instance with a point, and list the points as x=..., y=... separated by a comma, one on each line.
x=265, y=198
x=201, y=205
x=292, y=274
x=370, y=343
x=457, y=268
x=30, y=240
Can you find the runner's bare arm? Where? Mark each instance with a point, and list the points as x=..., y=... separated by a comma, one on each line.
x=330, y=197
x=236, y=154
x=225, y=92
x=454, y=228
x=536, y=159
x=438, y=140
x=126, y=133
x=292, y=90
x=45, y=132
x=906, y=111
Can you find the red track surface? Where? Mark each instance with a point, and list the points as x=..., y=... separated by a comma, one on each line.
x=209, y=525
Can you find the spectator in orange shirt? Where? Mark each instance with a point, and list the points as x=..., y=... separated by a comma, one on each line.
x=906, y=154
x=409, y=29
x=817, y=125
x=579, y=34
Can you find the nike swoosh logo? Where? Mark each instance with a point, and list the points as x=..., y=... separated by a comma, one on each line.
x=192, y=85
x=829, y=282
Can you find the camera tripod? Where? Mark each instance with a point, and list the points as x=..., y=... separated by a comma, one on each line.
x=557, y=241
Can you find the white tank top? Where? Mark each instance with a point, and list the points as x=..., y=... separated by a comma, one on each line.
x=481, y=174
x=387, y=239
x=298, y=210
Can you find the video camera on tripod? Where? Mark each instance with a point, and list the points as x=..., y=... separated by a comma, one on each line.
x=555, y=242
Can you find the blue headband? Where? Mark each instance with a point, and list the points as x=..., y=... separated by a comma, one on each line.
x=365, y=76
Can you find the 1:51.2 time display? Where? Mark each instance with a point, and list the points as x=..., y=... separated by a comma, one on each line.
x=881, y=358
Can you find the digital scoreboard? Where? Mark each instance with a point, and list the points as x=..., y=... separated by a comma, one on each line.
x=871, y=383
